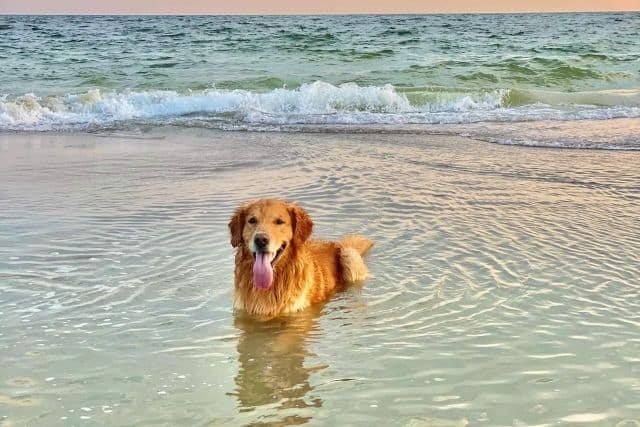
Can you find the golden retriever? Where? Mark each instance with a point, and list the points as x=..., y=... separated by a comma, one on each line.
x=279, y=269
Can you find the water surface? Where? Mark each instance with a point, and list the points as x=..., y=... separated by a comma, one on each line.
x=282, y=73
x=505, y=286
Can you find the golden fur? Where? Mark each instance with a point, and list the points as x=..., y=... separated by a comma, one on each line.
x=307, y=271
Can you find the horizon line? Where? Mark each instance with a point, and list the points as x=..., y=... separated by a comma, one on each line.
x=329, y=13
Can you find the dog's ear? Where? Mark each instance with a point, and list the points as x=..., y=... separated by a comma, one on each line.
x=302, y=224
x=236, y=226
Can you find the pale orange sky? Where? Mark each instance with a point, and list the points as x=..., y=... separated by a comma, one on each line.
x=302, y=7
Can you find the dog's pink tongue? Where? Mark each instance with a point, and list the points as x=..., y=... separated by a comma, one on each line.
x=262, y=271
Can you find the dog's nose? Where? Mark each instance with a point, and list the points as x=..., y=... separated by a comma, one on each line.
x=261, y=241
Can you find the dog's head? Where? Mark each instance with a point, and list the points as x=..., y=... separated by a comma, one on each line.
x=269, y=230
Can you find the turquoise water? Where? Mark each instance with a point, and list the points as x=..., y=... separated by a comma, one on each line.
x=283, y=73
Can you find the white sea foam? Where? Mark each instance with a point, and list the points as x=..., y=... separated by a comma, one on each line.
x=96, y=107
x=315, y=103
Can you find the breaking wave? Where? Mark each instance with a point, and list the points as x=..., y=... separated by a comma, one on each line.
x=314, y=103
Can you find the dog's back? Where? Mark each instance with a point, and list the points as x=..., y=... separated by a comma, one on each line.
x=336, y=264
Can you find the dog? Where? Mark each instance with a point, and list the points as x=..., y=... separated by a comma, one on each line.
x=279, y=270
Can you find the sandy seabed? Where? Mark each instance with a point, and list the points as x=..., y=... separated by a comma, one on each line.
x=504, y=289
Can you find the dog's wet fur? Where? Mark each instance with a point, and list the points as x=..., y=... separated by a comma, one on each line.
x=305, y=271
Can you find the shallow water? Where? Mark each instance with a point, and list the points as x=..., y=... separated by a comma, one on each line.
x=505, y=288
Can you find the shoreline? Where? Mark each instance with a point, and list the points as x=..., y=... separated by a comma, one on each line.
x=620, y=134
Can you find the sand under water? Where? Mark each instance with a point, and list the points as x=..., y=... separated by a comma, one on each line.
x=505, y=283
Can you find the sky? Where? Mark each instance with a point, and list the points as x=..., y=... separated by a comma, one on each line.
x=301, y=7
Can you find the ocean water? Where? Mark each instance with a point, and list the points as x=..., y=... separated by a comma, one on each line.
x=505, y=286
x=493, y=77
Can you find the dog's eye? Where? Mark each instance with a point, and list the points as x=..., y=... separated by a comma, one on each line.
x=253, y=220
x=279, y=221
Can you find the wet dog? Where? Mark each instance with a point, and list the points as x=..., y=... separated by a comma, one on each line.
x=279, y=269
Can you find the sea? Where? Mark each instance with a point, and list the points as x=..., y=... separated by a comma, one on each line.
x=493, y=159
x=560, y=80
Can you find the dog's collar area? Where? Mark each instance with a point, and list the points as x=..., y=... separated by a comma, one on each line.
x=278, y=253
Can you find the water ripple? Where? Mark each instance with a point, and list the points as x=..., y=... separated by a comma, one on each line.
x=504, y=280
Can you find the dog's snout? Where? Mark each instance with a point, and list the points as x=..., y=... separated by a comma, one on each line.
x=261, y=241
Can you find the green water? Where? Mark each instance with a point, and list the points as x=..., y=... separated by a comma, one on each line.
x=570, y=52
x=229, y=72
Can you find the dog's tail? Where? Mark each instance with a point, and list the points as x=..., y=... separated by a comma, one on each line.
x=359, y=243
x=351, y=250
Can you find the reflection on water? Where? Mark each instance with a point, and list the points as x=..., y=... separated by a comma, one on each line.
x=272, y=372
x=505, y=286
